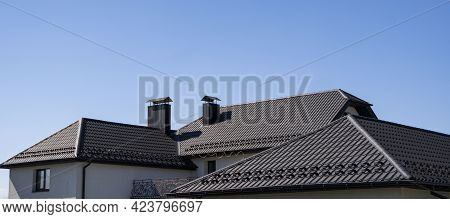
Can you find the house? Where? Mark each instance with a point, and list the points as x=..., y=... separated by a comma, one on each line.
x=318, y=145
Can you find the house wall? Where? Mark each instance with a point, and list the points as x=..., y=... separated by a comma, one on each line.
x=371, y=193
x=221, y=162
x=116, y=181
x=65, y=181
x=102, y=180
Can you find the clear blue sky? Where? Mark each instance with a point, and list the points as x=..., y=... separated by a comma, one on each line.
x=50, y=78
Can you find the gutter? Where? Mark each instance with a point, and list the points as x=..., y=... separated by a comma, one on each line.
x=296, y=188
x=83, y=185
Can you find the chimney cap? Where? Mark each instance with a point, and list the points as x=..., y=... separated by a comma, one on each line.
x=210, y=99
x=160, y=100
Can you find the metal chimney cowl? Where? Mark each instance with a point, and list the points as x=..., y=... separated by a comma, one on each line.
x=159, y=114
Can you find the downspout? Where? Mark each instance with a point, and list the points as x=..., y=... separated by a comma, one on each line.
x=83, y=185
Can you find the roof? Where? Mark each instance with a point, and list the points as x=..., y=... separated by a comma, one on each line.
x=424, y=154
x=101, y=141
x=351, y=151
x=353, y=98
x=264, y=124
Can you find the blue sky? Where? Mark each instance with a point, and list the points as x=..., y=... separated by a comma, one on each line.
x=50, y=78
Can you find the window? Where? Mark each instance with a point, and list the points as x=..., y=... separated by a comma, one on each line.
x=42, y=180
x=211, y=166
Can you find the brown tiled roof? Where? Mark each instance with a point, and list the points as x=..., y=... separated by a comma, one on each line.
x=101, y=141
x=264, y=124
x=351, y=151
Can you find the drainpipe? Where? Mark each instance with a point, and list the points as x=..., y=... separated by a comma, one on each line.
x=83, y=185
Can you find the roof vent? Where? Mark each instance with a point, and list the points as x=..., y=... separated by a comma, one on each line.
x=159, y=114
x=211, y=110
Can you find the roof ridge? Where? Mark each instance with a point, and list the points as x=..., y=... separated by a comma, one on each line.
x=401, y=125
x=348, y=96
x=118, y=123
x=282, y=98
x=78, y=140
x=378, y=146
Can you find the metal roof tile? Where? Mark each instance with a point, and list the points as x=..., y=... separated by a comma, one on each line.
x=305, y=161
x=278, y=121
x=101, y=141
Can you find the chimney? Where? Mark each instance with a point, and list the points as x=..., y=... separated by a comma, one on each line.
x=211, y=110
x=159, y=114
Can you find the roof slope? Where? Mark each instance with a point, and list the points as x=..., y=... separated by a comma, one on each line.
x=101, y=141
x=115, y=142
x=264, y=124
x=424, y=154
x=350, y=151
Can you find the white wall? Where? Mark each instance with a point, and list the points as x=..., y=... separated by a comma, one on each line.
x=370, y=193
x=102, y=180
x=221, y=162
x=65, y=181
x=116, y=181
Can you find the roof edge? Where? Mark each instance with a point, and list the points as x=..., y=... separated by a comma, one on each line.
x=346, y=95
x=403, y=126
x=65, y=160
x=118, y=123
x=379, y=147
x=78, y=140
x=281, y=98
